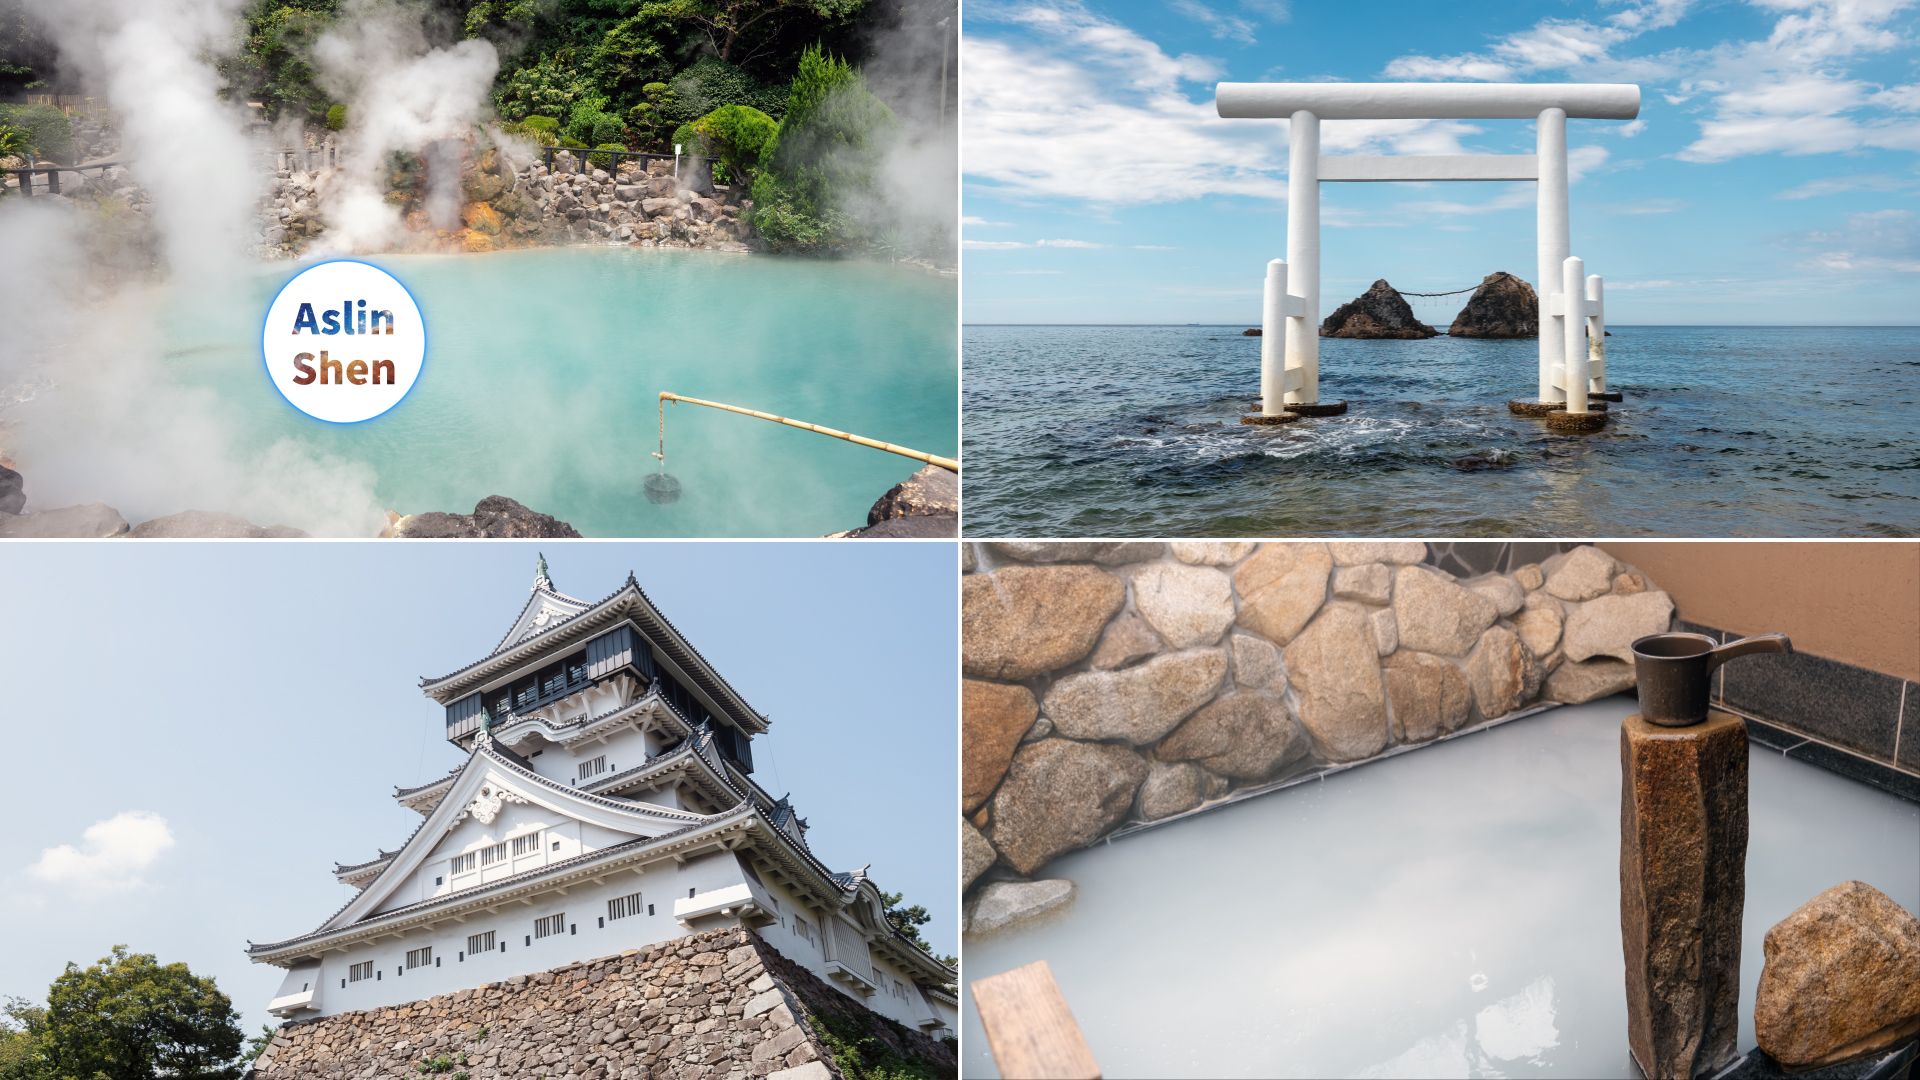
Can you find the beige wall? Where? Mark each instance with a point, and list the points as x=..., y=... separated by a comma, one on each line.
x=1855, y=602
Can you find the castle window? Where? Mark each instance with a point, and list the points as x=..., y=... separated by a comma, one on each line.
x=420, y=957
x=526, y=845
x=493, y=854
x=549, y=926
x=802, y=929
x=464, y=864
x=593, y=766
x=622, y=906
x=479, y=943
x=360, y=972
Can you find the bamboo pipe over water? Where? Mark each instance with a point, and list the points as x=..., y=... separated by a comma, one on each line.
x=948, y=464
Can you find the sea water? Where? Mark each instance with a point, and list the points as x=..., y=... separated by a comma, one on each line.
x=544, y=367
x=1725, y=431
x=1453, y=911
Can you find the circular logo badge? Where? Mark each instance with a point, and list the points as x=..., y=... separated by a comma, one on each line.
x=343, y=341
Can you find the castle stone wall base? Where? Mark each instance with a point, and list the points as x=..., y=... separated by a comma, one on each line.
x=721, y=1004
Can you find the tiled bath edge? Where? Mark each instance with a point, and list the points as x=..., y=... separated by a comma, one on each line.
x=1840, y=717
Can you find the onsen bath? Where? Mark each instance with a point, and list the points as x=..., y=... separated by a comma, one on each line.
x=541, y=383
x=1447, y=912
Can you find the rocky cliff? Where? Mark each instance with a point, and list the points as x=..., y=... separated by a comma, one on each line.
x=1380, y=312
x=508, y=204
x=720, y=1004
x=1502, y=307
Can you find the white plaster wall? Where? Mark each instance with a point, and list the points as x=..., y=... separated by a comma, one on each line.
x=909, y=1010
x=470, y=835
x=585, y=906
x=625, y=750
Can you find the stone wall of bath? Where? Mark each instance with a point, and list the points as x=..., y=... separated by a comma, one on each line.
x=1109, y=684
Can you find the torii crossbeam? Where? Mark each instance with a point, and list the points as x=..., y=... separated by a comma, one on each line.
x=1290, y=368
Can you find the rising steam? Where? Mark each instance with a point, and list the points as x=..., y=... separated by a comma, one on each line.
x=403, y=94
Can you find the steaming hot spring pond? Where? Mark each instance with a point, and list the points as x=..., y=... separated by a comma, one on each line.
x=543, y=369
x=1453, y=911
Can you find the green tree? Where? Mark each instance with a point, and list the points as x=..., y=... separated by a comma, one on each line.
x=44, y=131
x=741, y=30
x=832, y=143
x=129, y=1017
x=909, y=920
x=733, y=135
x=23, y=1041
x=273, y=64
x=257, y=1045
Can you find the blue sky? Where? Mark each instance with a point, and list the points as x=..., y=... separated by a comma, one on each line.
x=1773, y=175
x=261, y=701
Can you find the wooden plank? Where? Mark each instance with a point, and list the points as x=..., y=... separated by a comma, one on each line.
x=1029, y=1028
x=1429, y=167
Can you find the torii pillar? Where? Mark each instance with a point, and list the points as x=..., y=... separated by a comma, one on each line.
x=1290, y=379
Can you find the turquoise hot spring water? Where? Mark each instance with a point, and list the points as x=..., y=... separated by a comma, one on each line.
x=543, y=369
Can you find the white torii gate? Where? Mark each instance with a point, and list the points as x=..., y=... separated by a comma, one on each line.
x=1290, y=368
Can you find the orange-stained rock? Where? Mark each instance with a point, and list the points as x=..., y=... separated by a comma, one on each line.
x=993, y=717
x=1683, y=850
x=1842, y=978
x=481, y=218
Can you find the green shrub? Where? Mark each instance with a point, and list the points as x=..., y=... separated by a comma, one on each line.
x=584, y=114
x=827, y=155
x=13, y=140
x=688, y=139
x=336, y=117
x=790, y=224
x=539, y=130
x=548, y=86
x=45, y=131
x=734, y=136
x=604, y=161
x=712, y=82
x=607, y=128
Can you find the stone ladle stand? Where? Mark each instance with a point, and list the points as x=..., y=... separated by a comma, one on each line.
x=1683, y=851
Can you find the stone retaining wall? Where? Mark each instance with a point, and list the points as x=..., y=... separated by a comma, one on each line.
x=1118, y=683
x=719, y=1004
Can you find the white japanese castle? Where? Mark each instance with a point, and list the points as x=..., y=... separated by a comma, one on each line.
x=606, y=803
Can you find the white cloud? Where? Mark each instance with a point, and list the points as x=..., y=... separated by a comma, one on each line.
x=1448, y=68
x=1790, y=93
x=113, y=854
x=1903, y=98
x=1554, y=44
x=1876, y=241
x=1016, y=245
x=1838, y=185
x=1629, y=129
x=1220, y=24
x=1082, y=107
x=982, y=223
